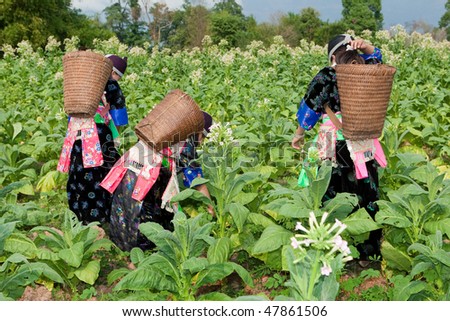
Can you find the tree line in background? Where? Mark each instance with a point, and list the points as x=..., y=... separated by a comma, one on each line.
x=135, y=22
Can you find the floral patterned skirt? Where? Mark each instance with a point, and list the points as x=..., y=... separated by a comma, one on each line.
x=127, y=214
x=87, y=199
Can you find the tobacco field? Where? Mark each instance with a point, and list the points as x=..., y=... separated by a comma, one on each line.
x=247, y=251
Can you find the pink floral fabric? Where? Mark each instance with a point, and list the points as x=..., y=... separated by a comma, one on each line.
x=364, y=151
x=86, y=130
x=149, y=162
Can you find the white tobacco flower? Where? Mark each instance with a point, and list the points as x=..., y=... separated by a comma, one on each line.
x=306, y=242
x=196, y=75
x=324, y=218
x=312, y=220
x=206, y=41
x=59, y=75
x=341, y=244
x=227, y=59
x=52, y=44
x=40, y=62
x=278, y=40
x=8, y=51
x=138, y=51
x=326, y=270
x=223, y=43
x=132, y=78
x=300, y=227
x=383, y=35
x=294, y=243
x=71, y=44
x=24, y=48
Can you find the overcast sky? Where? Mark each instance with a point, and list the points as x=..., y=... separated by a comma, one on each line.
x=394, y=11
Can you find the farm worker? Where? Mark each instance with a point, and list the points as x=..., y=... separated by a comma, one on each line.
x=355, y=162
x=113, y=93
x=89, y=150
x=142, y=183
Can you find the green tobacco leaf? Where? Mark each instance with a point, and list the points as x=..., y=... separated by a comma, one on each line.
x=392, y=214
x=117, y=274
x=165, y=264
x=213, y=273
x=136, y=255
x=146, y=279
x=191, y=193
x=239, y=183
x=260, y=219
x=441, y=225
x=219, y=251
x=47, y=271
x=442, y=256
x=199, y=181
x=73, y=255
x=47, y=182
x=89, y=273
x=239, y=213
x=272, y=238
x=294, y=211
x=6, y=230
x=409, y=159
x=12, y=187
x=97, y=245
x=19, y=243
x=422, y=249
x=341, y=205
x=14, y=258
x=360, y=222
x=26, y=189
x=243, y=273
x=195, y=264
x=158, y=235
x=421, y=267
x=13, y=285
x=46, y=254
x=17, y=129
x=319, y=186
x=245, y=198
x=404, y=288
x=395, y=258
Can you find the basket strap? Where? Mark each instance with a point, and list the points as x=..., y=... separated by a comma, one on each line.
x=333, y=117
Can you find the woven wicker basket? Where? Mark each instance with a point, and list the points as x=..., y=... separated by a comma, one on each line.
x=85, y=76
x=364, y=92
x=174, y=119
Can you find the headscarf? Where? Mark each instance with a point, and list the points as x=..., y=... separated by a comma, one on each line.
x=119, y=64
x=337, y=42
x=207, y=123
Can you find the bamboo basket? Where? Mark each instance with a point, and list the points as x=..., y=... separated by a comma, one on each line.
x=364, y=93
x=173, y=120
x=85, y=76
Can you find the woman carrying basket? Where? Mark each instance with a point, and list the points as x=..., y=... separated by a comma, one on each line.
x=322, y=101
x=89, y=151
x=142, y=183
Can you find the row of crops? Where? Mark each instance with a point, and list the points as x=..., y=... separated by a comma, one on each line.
x=251, y=172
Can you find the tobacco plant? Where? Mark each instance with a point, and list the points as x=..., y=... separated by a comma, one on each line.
x=16, y=270
x=185, y=260
x=415, y=210
x=71, y=251
x=287, y=205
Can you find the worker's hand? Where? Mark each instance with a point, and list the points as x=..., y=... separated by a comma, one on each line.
x=298, y=141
